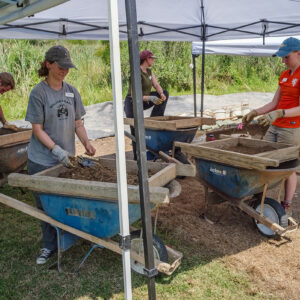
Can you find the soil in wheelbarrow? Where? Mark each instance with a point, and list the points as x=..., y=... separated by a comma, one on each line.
x=239, y=148
x=97, y=172
x=254, y=129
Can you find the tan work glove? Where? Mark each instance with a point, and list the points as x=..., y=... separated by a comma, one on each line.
x=270, y=117
x=155, y=100
x=249, y=117
x=7, y=125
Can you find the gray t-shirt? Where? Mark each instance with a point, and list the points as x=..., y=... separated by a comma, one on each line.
x=57, y=111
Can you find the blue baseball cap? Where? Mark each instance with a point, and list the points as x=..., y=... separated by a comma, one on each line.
x=287, y=46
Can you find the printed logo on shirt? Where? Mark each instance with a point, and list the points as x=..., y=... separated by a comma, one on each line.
x=294, y=81
x=62, y=112
x=284, y=80
x=71, y=95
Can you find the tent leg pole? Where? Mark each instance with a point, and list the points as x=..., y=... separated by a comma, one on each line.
x=137, y=99
x=202, y=78
x=120, y=143
x=194, y=85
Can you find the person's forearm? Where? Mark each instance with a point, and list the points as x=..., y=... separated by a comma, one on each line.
x=43, y=137
x=266, y=108
x=292, y=112
x=81, y=132
x=156, y=85
x=2, y=118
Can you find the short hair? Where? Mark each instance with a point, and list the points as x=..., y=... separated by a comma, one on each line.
x=7, y=79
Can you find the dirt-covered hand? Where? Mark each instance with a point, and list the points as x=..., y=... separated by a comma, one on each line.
x=155, y=100
x=249, y=117
x=270, y=117
x=62, y=155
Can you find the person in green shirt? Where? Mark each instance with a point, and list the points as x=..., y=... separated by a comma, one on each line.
x=157, y=99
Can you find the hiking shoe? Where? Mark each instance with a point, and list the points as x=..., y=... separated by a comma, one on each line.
x=44, y=255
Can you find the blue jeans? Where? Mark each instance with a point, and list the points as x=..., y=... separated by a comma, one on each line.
x=49, y=232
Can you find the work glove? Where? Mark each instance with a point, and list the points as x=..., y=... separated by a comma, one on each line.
x=62, y=155
x=155, y=100
x=8, y=125
x=270, y=117
x=249, y=117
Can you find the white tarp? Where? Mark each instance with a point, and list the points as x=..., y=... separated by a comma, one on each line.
x=163, y=20
x=248, y=47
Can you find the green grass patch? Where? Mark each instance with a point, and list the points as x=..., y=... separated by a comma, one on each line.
x=223, y=74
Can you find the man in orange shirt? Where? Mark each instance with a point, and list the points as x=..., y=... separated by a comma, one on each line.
x=283, y=112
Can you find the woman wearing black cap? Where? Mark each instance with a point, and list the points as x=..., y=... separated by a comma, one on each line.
x=55, y=110
x=156, y=99
x=283, y=112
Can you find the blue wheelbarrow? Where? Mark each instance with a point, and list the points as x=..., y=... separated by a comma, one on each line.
x=89, y=209
x=244, y=179
x=161, y=133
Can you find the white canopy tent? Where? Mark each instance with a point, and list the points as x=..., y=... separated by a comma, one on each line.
x=247, y=47
x=167, y=20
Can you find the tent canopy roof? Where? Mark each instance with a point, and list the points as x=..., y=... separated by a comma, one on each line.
x=163, y=20
x=249, y=47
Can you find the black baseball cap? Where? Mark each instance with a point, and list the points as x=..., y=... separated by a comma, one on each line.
x=61, y=56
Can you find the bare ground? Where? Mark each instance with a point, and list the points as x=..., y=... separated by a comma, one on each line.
x=274, y=264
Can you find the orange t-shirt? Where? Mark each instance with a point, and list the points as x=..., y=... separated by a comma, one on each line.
x=290, y=92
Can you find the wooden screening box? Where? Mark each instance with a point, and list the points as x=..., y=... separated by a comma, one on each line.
x=48, y=182
x=172, y=122
x=242, y=152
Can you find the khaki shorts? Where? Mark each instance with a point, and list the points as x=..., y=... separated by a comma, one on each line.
x=283, y=135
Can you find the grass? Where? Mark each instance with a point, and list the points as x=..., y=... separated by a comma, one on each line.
x=202, y=274
x=223, y=74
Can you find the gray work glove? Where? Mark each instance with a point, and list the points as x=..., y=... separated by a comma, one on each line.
x=62, y=155
x=155, y=100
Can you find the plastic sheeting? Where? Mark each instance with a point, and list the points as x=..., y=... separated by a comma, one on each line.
x=163, y=20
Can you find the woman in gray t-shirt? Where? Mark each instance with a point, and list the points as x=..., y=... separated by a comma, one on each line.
x=55, y=110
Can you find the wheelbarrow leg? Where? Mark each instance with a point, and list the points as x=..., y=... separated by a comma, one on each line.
x=87, y=255
x=281, y=188
x=59, y=249
x=263, y=200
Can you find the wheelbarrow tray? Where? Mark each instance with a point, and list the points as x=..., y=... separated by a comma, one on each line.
x=13, y=151
x=215, y=151
x=172, y=123
x=92, y=206
x=163, y=267
x=235, y=182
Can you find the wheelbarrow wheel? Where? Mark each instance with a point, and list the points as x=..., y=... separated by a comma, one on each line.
x=274, y=212
x=159, y=250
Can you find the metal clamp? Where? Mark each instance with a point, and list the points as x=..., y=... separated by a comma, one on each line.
x=124, y=242
x=150, y=273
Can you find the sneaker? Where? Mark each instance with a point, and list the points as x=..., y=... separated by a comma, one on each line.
x=44, y=255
